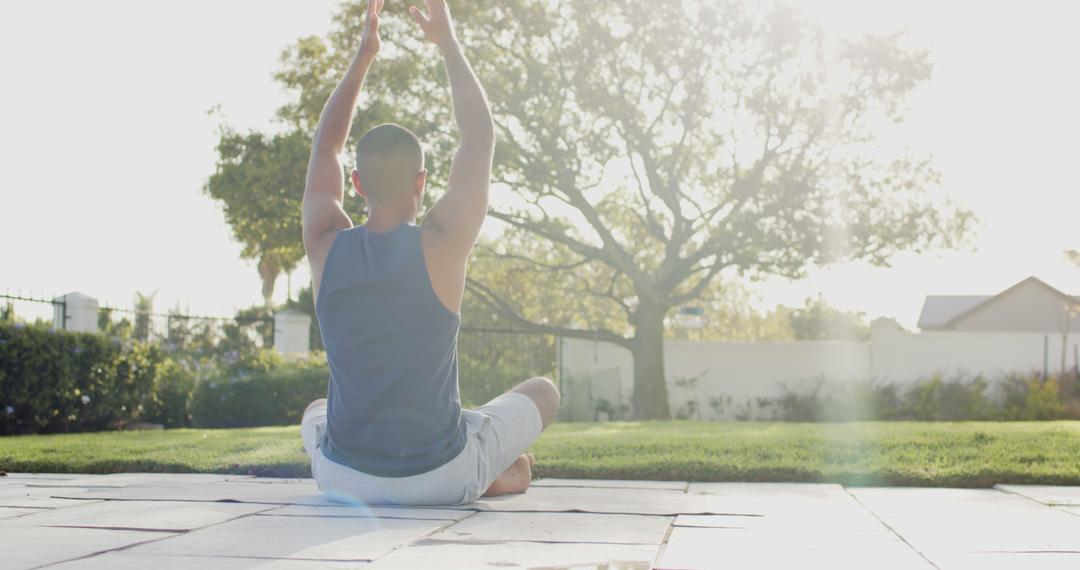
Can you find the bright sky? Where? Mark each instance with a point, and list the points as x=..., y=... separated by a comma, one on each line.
x=106, y=144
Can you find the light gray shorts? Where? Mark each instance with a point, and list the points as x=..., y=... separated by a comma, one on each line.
x=497, y=433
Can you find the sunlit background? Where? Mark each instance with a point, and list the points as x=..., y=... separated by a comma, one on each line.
x=106, y=142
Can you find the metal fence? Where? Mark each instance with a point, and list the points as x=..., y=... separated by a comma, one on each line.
x=181, y=330
x=31, y=308
x=491, y=361
x=177, y=328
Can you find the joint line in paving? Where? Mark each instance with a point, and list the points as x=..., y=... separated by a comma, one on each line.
x=891, y=529
x=664, y=542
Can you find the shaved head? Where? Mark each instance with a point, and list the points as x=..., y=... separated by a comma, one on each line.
x=388, y=160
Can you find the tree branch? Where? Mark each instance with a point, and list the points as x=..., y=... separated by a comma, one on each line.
x=504, y=308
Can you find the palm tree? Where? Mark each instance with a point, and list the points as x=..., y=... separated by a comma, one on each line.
x=144, y=308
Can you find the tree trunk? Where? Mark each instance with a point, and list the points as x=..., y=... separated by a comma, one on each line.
x=650, y=387
x=268, y=272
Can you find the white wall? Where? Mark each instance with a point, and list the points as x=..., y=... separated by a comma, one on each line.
x=725, y=377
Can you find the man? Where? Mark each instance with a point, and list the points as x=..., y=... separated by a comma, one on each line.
x=388, y=297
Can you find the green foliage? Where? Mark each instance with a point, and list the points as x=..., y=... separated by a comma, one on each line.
x=121, y=329
x=7, y=312
x=60, y=382
x=144, y=309
x=1017, y=397
x=257, y=397
x=1032, y=398
x=259, y=181
x=730, y=315
x=170, y=404
x=490, y=363
x=818, y=321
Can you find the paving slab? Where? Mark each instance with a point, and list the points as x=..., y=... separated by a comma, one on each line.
x=14, y=476
x=558, y=527
x=611, y=501
x=251, y=479
x=709, y=548
x=1046, y=494
x=11, y=512
x=37, y=546
x=143, y=515
x=22, y=496
x=361, y=511
x=766, y=491
x=304, y=538
x=1012, y=560
x=222, y=521
x=954, y=528
x=451, y=555
x=297, y=494
x=728, y=521
x=785, y=506
x=124, y=560
x=130, y=479
x=612, y=484
x=801, y=525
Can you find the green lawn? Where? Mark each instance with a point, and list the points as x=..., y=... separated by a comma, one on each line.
x=975, y=454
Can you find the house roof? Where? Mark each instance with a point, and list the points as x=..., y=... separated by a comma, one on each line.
x=940, y=311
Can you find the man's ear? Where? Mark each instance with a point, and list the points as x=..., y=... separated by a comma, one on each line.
x=356, y=183
x=421, y=182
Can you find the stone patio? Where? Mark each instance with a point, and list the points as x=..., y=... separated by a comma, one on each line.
x=136, y=520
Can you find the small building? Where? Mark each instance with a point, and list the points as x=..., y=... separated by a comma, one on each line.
x=1029, y=306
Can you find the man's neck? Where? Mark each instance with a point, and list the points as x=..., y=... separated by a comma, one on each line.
x=383, y=220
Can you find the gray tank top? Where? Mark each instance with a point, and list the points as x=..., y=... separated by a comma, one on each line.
x=393, y=406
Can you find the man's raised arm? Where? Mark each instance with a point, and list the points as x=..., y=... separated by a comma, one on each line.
x=458, y=215
x=324, y=190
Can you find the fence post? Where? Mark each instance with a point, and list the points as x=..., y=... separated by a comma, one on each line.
x=292, y=332
x=884, y=334
x=75, y=312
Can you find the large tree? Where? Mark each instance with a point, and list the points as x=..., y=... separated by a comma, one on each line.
x=660, y=143
x=258, y=180
x=648, y=147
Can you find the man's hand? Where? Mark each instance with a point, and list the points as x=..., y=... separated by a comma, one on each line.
x=452, y=225
x=370, y=43
x=436, y=25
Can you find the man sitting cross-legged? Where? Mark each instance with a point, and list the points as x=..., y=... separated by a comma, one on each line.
x=388, y=296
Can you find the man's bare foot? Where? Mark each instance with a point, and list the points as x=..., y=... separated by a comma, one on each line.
x=515, y=479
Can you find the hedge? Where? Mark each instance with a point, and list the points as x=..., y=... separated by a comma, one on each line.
x=56, y=381
x=260, y=398
x=1014, y=397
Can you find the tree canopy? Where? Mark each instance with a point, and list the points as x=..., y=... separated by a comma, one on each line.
x=649, y=147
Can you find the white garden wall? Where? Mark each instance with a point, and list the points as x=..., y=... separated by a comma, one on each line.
x=724, y=377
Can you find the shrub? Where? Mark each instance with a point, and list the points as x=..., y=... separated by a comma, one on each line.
x=170, y=405
x=56, y=381
x=490, y=363
x=1032, y=398
x=936, y=399
x=243, y=397
x=961, y=398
